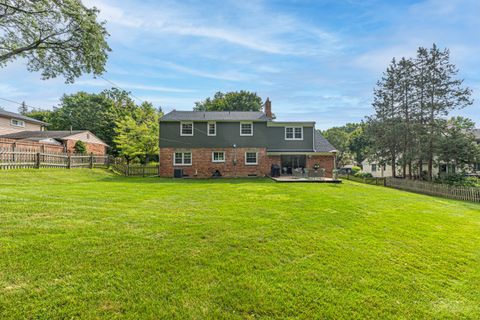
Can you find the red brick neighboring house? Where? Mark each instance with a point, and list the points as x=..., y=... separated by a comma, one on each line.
x=64, y=139
x=239, y=144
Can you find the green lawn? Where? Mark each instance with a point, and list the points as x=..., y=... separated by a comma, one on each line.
x=89, y=244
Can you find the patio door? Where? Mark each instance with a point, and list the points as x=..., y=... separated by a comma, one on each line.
x=291, y=162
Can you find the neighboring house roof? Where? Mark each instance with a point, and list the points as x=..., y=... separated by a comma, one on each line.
x=321, y=144
x=214, y=116
x=14, y=115
x=42, y=135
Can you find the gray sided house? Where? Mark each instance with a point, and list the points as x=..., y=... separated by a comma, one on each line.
x=236, y=144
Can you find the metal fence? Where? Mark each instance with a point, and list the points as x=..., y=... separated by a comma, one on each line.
x=22, y=160
x=136, y=170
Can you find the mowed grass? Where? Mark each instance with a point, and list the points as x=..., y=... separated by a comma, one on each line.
x=90, y=244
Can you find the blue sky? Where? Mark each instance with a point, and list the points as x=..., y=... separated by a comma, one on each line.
x=316, y=60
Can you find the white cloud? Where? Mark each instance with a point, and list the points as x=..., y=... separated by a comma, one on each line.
x=130, y=86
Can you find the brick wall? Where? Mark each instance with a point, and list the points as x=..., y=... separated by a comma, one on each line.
x=95, y=148
x=325, y=162
x=203, y=167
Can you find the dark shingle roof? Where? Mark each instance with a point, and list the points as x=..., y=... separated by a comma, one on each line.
x=214, y=116
x=20, y=117
x=321, y=144
x=38, y=135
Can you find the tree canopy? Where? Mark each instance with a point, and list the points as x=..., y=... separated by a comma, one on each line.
x=350, y=141
x=56, y=37
x=231, y=101
x=411, y=101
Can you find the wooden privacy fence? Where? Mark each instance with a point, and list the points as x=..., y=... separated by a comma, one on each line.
x=435, y=189
x=136, y=170
x=23, y=159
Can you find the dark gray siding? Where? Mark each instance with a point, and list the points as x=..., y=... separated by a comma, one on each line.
x=228, y=134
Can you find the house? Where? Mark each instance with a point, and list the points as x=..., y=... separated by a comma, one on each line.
x=379, y=171
x=239, y=144
x=65, y=139
x=11, y=122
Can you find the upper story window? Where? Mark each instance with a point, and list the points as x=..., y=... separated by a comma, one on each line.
x=17, y=123
x=212, y=129
x=293, y=133
x=182, y=158
x=186, y=128
x=246, y=128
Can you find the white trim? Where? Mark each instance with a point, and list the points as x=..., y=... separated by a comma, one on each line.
x=218, y=161
x=293, y=133
x=22, y=123
x=181, y=127
x=208, y=128
x=246, y=122
x=183, y=159
x=250, y=163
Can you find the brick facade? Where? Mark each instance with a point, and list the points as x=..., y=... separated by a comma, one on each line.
x=325, y=162
x=203, y=167
x=95, y=148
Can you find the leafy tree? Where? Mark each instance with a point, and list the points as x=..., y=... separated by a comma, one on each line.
x=457, y=145
x=137, y=134
x=56, y=37
x=350, y=141
x=340, y=139
x=40, y=114
x=80, y=147
x=231, y=101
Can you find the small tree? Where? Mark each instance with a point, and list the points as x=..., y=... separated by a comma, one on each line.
x=80, y=147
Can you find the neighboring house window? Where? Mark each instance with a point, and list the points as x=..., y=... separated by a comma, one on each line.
x=218, y=156
x=293, y=133
x=246, y=128
x=17, y=123
x=182, y=158
x=251, y=158
x=374, y=167
x=186, y=128
x=212, y=129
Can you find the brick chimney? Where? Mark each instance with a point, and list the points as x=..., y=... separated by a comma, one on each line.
x=268, y=108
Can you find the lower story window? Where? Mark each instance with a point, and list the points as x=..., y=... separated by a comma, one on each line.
x=218, y=156
x=374, y=167
x=182, y=158
x=251, y=158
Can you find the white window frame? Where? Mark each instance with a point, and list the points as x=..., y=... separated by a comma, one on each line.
x=218, y=161
x=183, y=159
x=208, y=128
x=293, y=132
x=20, y=123
x=246, y=122
x=181, y=129
x=250, y=163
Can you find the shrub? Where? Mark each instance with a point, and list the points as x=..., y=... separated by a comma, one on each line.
x=362, y=174
x=80, y=147
x=458, y=179
x=356, y=169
